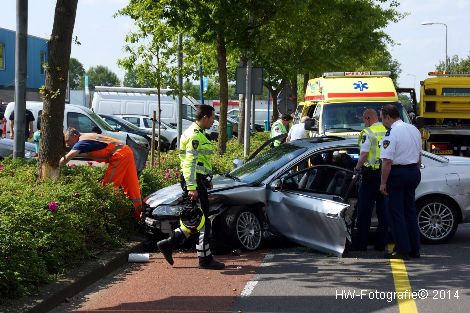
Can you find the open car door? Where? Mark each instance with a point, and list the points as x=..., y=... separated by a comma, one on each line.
x=309, y=207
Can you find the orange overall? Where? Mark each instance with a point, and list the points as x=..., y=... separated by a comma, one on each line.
x=121, y=169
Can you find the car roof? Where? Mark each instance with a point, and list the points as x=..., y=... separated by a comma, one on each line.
x=325, y=142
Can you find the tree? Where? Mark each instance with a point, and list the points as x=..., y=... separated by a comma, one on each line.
x=456, y=65
x=131, y=79
x=102, y=76
x=52, y=143
x=76, y=72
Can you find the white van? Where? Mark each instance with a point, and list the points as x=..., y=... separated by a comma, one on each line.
x=79, y=117
x=143, y=101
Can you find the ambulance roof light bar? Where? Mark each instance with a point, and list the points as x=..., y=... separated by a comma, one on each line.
x=366, y=73
x=449, y=74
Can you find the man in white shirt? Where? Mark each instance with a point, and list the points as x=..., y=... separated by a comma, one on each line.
x=298, y=131
x=401, y=158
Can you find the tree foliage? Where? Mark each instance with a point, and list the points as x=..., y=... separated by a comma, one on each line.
x=456, y=65
x=76, y=72
x=102, y=76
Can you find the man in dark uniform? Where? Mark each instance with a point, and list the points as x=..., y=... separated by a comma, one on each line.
x=369, y=194
x=401, y=159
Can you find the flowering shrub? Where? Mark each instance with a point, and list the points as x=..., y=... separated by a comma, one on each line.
x=47, y=227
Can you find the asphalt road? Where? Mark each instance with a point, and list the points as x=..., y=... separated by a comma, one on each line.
x=289, y=278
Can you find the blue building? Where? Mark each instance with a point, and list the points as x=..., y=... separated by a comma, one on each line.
x=36, y=56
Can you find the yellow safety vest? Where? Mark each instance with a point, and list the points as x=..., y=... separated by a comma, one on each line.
x=195, y=155
x=375, y=133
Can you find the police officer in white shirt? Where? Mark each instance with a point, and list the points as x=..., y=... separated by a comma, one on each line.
x=401, y=158
x=298, y=131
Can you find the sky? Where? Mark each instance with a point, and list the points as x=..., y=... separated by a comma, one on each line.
x=419, y=48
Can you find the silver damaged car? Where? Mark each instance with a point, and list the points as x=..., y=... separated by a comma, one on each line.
x=306, y=191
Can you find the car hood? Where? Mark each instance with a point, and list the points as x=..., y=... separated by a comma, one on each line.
x=28, y=147
x=457, y=160
x=173, y=193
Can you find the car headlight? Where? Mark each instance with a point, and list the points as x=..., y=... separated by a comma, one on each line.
x=167, y=210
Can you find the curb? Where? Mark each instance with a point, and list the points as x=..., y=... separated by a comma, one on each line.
x=76, y=280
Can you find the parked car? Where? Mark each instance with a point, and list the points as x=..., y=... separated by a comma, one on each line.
x=231, y=121
x=305, y=190
x=123, y=125
x=260, y=116
x=80, y=118
x=6, y=148
x=144, y=122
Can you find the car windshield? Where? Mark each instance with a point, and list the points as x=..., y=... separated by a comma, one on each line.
x=101, y=122
x=262, y=166
x=341, y=117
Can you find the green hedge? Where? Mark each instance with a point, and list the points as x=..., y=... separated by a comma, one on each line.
x=48, y=227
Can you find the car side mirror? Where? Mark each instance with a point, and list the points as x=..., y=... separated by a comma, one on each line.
x=276, y=185
x=237, y=163
x=311, y=124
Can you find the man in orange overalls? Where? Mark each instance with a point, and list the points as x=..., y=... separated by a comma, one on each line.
x=121, y=169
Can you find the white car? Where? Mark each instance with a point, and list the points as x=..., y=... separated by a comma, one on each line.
x=145, y=122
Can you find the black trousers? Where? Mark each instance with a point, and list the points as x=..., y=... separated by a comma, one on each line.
x=202, y=246
x=370, y=196
x=401, y=208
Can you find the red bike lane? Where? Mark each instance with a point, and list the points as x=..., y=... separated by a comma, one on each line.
x=158, y=287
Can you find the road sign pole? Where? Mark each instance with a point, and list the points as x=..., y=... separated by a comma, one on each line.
x=246, y=150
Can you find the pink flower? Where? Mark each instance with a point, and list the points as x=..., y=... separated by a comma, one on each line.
x=177, y=174
x=71, y=165
x=2, y=167
x=167, y=175
x=90, y=163
x=167, y=170
x=76, y=194
x=52, y=206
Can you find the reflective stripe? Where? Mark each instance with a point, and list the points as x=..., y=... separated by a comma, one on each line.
x=203, y=170
x=115, y=166
x=196, y=152
x=198, y=228
x=204, y=254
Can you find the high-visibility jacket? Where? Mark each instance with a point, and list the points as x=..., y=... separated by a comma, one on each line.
x=374, y=133
x=121, y=170
x=195, y=155
x=277, y=129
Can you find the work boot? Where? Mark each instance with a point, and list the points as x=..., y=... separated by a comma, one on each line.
x=166, y=247
x=212, y=265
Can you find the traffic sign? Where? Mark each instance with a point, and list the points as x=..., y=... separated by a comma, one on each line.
x=256, y=80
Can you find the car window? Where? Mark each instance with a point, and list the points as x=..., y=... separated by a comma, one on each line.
x=263, y=165
x=111, y=122
x=323, y=179
x=80, y=122
x=132, y=119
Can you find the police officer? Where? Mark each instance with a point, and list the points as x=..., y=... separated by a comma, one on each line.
x=369, y=194
x=280, y=127
x=195, y=152
x=401, y=159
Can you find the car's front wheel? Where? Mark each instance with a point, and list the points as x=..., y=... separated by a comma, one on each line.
x=244, y=228
x=437, y=219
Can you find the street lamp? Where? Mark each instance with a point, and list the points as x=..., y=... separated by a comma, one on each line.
x=439, y=23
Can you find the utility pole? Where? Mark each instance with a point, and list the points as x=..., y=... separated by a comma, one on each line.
x=246, y=150
x=20, y=77
x=180, y=89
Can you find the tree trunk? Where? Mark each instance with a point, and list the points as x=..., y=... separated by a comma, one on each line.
x=52, y=118
x=222, y=67
x=306, y=78
x=241, y=108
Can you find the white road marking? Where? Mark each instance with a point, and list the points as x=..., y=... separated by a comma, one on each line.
x=250, y=286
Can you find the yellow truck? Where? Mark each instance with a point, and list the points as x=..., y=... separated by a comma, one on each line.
x=444, y=113
x=337, y=100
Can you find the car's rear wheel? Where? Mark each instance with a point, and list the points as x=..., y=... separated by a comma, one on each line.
x=244, y=228
x=437, y=219
x=173, y=144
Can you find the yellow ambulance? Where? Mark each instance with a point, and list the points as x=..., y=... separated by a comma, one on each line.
x=337, y=100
